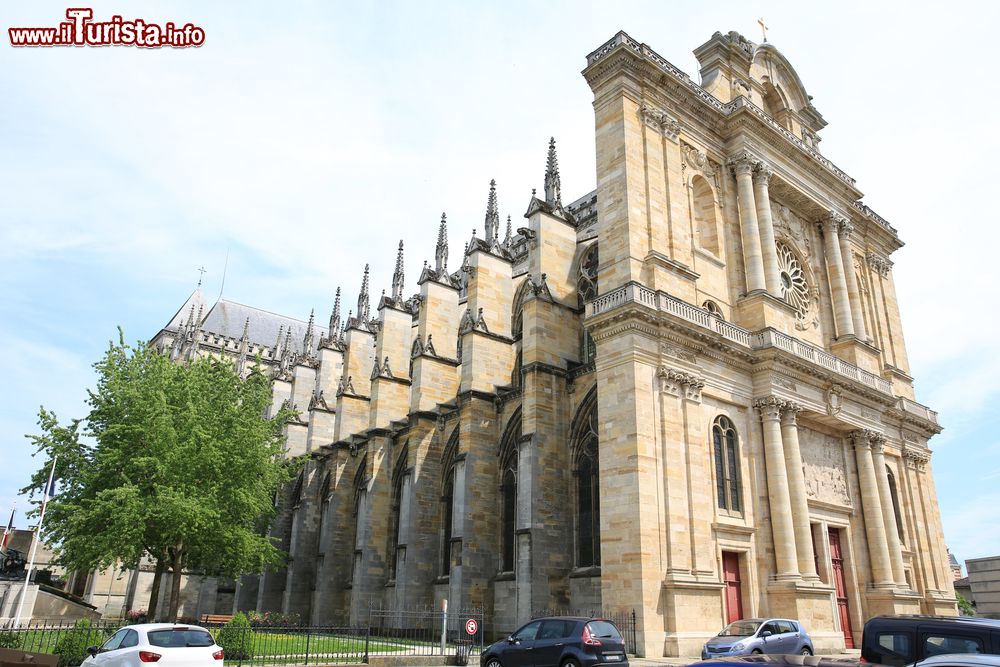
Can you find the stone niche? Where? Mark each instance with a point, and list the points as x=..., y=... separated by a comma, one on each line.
x=824, y=460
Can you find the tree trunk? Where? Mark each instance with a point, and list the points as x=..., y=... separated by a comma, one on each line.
x=175, y=581
x=154, y=595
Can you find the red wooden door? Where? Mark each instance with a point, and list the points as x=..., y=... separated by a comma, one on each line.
x=837, y=560
x=734, y=589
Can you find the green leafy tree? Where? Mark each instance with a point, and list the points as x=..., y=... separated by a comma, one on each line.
x=965, y=607
x=174, y=460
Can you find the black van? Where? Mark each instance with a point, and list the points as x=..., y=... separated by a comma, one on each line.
x=902, y=640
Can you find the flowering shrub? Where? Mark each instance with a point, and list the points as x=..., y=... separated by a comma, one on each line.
x=137, y=615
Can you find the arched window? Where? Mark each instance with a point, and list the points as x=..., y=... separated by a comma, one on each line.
x=517, y=312
x=360, y=498
x=713, y=308
x=895, y=503
x=587, y=291
x=447, y=501
x=395, y=503
x=324, y=513
x=294, y=502
x=705, y=223
x=508, y=492
x=586, y=471
x=727, y=469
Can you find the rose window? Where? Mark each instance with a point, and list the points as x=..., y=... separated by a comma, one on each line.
x=794, y=288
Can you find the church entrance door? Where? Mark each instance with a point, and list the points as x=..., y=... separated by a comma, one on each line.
x=837, y=560
x=734, y=587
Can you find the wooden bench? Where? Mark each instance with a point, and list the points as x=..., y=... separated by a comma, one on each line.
x=215, y=619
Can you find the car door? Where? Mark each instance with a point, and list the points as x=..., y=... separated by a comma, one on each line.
x=127, y=653
x=108, y=651
x=772, y=642
x=789, y=637
x=551, y=642
x=520, y=646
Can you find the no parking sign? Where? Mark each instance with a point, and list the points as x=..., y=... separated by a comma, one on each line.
x=471, y=626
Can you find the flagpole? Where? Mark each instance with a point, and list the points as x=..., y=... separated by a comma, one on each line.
x=34, y=544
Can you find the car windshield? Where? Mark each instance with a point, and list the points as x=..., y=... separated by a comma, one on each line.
x=169, y=637
x=740, y=629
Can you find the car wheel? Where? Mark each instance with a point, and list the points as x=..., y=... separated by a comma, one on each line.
x=806, y=651
x=493, y=662
x=756, y=651
x=570, y=662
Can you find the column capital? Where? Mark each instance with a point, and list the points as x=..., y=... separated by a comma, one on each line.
x=846, y=228
x=831, y=222
x=790, y=413
x=770, y=407
x=742, y=163
x=762, y=174
x=865, y=438
x=878, y=263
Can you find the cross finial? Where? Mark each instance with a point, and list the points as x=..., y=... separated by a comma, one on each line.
x=763, y=27
x=202, y=272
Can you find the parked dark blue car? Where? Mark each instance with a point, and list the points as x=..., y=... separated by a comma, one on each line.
x=559, y=641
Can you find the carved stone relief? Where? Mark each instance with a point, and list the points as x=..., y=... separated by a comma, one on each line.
x=824, y=466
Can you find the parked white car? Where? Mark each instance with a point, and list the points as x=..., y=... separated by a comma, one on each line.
x=166, y=644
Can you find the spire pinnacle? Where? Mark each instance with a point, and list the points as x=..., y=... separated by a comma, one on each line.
x=507, y=239
x=276, y=352
x=492, y=216
x=241, y=360
x=553, y=189
x=397, y=276
x=307, y=340
x=335, y=318
x=363, y=309
x=441, y=252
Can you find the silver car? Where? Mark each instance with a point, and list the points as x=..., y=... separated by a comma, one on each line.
x=759, y=635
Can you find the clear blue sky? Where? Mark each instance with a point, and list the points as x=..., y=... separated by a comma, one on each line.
x=306, y=139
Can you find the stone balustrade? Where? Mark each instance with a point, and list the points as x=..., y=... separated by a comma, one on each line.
x=759, y=340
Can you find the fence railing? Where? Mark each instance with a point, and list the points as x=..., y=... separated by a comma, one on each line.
x=388, y=632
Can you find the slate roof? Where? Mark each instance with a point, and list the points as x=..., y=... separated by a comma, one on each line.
x=226, y=319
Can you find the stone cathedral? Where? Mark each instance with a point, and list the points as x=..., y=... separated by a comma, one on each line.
x=685, y=393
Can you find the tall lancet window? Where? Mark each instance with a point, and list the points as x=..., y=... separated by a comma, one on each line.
x=448, y=501
x=586, y=472
x=395, y=506
x=508, y=492
x=727, y=475
x=587, y=291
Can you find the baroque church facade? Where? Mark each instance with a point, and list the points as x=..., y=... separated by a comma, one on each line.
x=685, y=393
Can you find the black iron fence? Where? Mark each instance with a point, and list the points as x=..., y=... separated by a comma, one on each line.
x=388, y=632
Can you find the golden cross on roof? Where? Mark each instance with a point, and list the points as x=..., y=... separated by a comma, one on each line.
x=763, y=27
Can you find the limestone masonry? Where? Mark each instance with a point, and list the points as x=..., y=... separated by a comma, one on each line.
x=685, y=393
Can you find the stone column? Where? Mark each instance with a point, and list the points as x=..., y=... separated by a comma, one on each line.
x=769, y=250
x=742, y=167
x=853, y=293
x=777, y=489
x=797, y=492
x=888, y=512
x=871, y=505
x=835, y=266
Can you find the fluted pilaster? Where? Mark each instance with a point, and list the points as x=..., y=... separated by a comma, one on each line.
x=853, y=293
x=835, y=266
x=777, y=489
x=743, y=166
x=888, y=511
x=871, y=505
x=769, y=250
x=797, y=491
